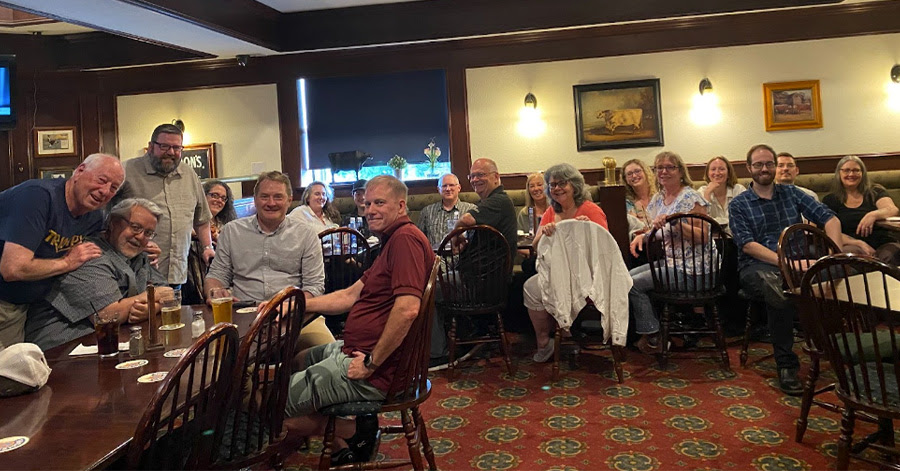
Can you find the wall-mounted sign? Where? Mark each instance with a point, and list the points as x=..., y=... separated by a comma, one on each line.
x=201, y=158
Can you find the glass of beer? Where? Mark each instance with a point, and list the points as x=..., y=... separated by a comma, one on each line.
x=171, y=311
x=221, y=305
x=106, y=327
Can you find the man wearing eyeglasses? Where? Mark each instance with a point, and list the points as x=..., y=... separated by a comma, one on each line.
x=757, y=217
x=787, y=172
x=114, y=282
x=44, y=225
x=495, y=208
x=163, y=178
x=434, y=218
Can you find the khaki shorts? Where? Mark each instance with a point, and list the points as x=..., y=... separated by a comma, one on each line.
x=12, y=323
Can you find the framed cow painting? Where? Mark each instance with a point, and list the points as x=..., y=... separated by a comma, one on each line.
x=618, y=115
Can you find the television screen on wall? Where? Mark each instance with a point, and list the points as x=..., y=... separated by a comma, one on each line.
x=7, y=91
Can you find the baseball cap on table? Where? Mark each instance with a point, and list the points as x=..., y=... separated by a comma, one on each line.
x=23, y=369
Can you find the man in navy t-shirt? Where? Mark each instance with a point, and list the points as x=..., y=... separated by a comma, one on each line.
x=43, y=224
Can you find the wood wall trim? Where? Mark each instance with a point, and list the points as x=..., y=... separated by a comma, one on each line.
x=812, y=164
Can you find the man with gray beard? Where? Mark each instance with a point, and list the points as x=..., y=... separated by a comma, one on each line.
x=161, y=177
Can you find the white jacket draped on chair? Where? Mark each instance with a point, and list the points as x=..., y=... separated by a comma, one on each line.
x=582, y=260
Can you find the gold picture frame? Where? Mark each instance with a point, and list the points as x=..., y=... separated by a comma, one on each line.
x=792, y=105
x=55, y=142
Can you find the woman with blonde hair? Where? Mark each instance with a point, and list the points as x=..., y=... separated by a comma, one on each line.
x=534, y=198
x=858, y=203
x=316, y=208
x=676, y=195
x=721, y=187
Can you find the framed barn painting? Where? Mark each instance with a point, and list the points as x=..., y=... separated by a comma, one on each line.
x=618, y=115
x=792, y=105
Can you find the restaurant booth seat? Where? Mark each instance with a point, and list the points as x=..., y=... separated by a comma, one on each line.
x=409, y=388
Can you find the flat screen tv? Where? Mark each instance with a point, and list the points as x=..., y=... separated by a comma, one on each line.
x=7, y=92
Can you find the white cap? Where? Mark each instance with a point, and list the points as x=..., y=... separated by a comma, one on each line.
x=24, y=363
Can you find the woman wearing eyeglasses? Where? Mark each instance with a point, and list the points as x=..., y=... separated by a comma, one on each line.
x=221, y=205
x=858, y=203
x=721, y=187
x=640, y=187
x=569, y=199
x=676, y=195
x=317, y=208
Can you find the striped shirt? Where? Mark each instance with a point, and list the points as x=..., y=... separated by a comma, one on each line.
x=755, y=219
x=433, y=220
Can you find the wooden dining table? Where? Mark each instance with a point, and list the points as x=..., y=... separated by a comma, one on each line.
x=86, y=414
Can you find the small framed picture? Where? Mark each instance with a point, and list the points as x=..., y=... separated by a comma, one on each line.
x=792, y=105
x=54, y=142
x=51, y=173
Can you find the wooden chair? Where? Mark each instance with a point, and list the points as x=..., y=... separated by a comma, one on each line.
x=344, y=264
x=254, y=431
x=852, y=317
x=798, y=245
x=703, y=249
x=410, y=387
x=178, y=429
x=473, y=283
x=587, y=333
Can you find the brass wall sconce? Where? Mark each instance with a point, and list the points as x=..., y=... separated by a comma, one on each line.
x=705, y=86
x=530, y=101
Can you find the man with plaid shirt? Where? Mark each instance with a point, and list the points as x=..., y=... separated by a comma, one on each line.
x=757, y=218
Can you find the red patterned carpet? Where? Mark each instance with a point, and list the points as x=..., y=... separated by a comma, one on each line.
x=693, y=416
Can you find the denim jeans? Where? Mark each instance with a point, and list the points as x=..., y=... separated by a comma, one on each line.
x=646, y=320
x=763, y=282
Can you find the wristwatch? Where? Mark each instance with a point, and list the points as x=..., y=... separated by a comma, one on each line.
x=367, y=362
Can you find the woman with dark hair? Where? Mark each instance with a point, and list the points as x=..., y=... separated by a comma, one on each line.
x=221, y=205
x=721, y=187
x=569, y=199
x=316, y=208
x=858, y=203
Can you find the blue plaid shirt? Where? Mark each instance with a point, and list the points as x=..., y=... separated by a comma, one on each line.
x=755, y=219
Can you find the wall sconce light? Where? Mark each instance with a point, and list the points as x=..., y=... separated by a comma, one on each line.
x=185, y=137
x=530, y=123
x=705, y=111
x=895, y=73
x=892, y=89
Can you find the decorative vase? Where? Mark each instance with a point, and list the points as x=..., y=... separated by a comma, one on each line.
x=398, y=173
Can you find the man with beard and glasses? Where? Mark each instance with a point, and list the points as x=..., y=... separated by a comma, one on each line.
x=44, y=225
x=114, y=282
x=757, y=218
x=163, y=178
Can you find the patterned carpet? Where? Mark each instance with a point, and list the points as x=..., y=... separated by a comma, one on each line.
x=695, y=415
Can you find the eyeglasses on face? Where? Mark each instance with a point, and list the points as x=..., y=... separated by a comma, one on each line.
x=759, y=165
x=479, y=175
x=851, y=171
x=166, y=147
x=138, y=229
x=559, y=184
x=449, y=185
x=665, y=168
x=634, y=172
x=216, y=196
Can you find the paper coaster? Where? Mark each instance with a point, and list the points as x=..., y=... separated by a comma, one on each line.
x=153, y=377
x=11, y=443
x=171, y=326
x=246, y=310
x=177, y=353
x=127, y=365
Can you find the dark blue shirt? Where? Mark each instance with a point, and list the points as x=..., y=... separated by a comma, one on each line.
x=34, y=215
x=755, y=219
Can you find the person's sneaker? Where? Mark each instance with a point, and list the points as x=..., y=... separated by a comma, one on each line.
x=438, y=363
x=544, y=354
x=364, y=443
x=789, y=382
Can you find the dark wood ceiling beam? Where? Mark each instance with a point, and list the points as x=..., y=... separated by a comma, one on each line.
x=246, y=20
x=102, y=50
x=441, y=19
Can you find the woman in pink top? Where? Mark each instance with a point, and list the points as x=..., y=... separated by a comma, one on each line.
x=569, y=199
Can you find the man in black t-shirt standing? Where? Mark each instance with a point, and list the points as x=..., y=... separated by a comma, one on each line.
x=43, y=225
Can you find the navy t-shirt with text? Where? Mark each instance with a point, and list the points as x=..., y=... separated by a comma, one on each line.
x=34, y=215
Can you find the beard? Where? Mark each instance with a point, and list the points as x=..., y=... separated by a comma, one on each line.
x=161, y=166
x=763, y=179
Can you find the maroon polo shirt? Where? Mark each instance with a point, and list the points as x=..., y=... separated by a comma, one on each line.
x=402, y=268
